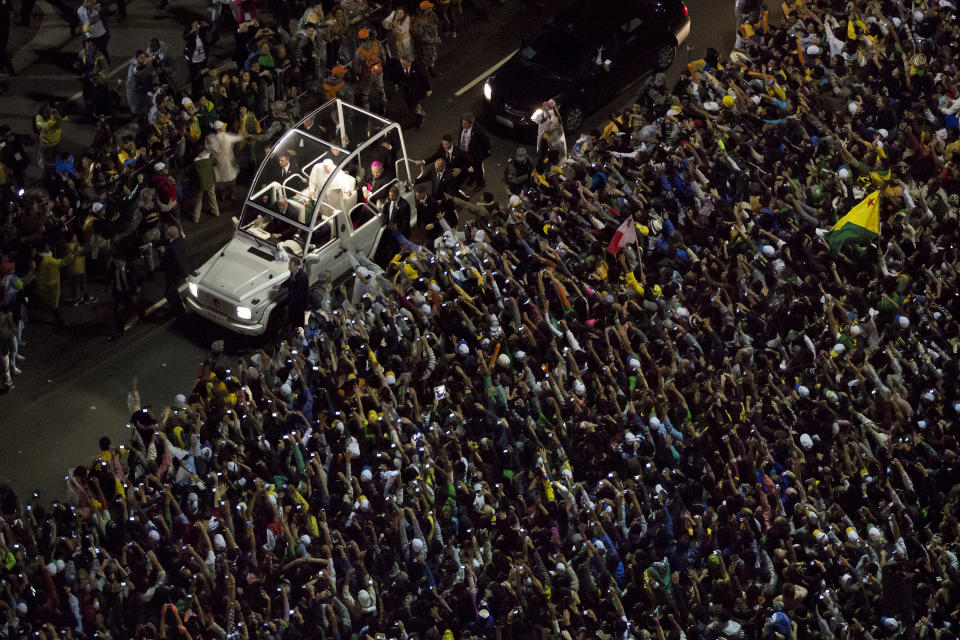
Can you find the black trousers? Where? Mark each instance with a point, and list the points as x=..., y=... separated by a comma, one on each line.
x=172, y=293
x=123, y=303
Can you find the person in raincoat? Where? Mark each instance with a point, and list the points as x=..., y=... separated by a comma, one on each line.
x=550, y=130
x=220, y=145
x=48, y=282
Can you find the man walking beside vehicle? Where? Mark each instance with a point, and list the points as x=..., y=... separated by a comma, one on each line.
x=174, y=265
x=410, y=78
x=475, y=143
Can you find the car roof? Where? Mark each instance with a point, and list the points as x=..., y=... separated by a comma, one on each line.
x=589, y=19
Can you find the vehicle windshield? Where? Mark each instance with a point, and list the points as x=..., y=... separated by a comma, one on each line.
x=556, y=52
x=309, y=174
x=293, y=174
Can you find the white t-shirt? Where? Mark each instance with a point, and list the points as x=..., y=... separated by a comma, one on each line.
x=199, y=53
x=93, y=25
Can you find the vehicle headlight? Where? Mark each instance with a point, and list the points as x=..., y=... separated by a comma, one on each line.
x=193, y=288
x=487, y=91
x=244, y=313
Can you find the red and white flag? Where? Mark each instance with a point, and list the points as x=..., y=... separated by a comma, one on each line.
x=625, y=234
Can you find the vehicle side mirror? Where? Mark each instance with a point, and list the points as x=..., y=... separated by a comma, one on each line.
x=236, y=222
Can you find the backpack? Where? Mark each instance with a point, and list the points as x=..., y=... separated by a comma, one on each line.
x=372, y=61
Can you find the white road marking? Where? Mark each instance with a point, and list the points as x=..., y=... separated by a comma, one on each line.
x=110, y=74
x=482, y=76
x=156, y=305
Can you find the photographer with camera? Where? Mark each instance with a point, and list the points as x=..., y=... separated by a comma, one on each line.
x=141, y=80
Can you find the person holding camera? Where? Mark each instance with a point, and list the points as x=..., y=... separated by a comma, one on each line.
x=141, y=80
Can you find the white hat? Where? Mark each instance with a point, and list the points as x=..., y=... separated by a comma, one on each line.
x=219, y=543
x=286, y=390
x=219, y=124
x=890, y=624
x=520, y=355
x=417, y=545
x=186, y=101
x=578, y=387
x=159, y=166
x=837, y=349
x=655, y=422
x=768, y=251
x=514, y=201
x=852, y=107
x=803, y=391
x=883, y=133
x=844, y=173
x=903, y=321
x=52, y=568
x=503, y=360
x=918, y=16
x=180, y=399
x=154, y=535
x=353, y=447
x=305, y=539
x=806, y=442
x=390, y=378
x=874, y=534
x=814, y=50
x=364, y=503
x=852, y=535
x=364, y=598
x=711, y=106
x=97, y=206
x=366, y=475
x=629, y=437
x=855, y=330
x=820, y=536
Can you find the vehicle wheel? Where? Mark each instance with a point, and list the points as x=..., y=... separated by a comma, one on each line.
x=272, y=332
x=665, y=56
x=573, y=119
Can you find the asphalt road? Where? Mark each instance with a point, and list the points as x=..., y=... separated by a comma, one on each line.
x=74, y=386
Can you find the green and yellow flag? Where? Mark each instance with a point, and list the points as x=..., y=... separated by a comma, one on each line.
x=859, y=226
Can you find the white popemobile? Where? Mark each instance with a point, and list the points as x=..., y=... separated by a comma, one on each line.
x=309, y=199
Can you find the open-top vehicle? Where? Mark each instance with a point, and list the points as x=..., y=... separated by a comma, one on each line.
x=314, y=198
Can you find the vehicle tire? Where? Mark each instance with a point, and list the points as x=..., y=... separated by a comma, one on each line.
x=665, y=55
x=272, y=331
x=573, y=118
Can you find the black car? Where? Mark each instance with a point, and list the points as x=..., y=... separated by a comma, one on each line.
x=583, y=58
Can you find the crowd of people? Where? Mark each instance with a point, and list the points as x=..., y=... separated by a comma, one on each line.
x=97, y=220
x=515, y=427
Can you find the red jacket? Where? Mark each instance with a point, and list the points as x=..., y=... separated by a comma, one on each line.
x=166, y=188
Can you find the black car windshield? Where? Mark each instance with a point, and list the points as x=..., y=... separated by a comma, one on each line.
x=555, y=51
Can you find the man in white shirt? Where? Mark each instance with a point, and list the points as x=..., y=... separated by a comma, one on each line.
x=93, y=26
